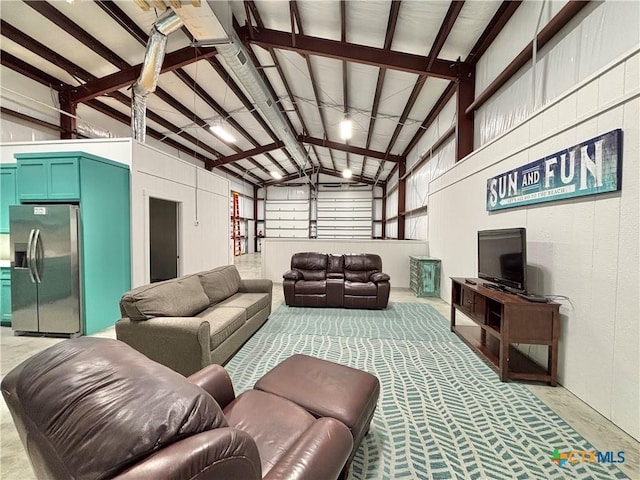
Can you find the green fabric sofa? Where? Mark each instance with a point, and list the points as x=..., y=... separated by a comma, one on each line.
x=193, y=321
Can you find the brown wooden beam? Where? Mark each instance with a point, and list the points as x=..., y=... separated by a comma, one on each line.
x=126, y=77
x=350, y=148
x=249, y=153
x=564, y=16
x=351, y=52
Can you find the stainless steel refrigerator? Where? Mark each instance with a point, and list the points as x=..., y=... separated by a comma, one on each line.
x=45, y=269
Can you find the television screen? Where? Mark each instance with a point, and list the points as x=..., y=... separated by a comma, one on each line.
x=502, y=256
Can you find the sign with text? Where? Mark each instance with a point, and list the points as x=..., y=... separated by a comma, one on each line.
x=590, y=168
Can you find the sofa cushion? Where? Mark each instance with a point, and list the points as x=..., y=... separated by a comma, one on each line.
x=223, y=321
x=360, y=288
x=178, y=297
x=252, y=302
x=359, y=267
x=220, y=283
x=313, y=266
x=304, y=287
x=96, y=406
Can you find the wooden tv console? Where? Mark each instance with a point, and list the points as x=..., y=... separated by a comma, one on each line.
x=502, y=319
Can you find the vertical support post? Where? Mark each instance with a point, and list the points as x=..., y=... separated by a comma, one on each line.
x=465, y=89
x=255, y=218
x=384, y=211
x=67, y=122
x=402, y=192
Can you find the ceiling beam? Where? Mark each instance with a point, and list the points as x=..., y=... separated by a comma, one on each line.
x=351, y=52
x=249, y=153
x=320, y=142
x=495, y=26
x=354, y=178
x=294, y=176
x=314, y=85
x=388, y=40
x=124, y=78
x=29, y=71
x=445, y=28
x=345, y=75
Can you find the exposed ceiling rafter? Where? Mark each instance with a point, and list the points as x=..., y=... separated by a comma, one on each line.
x=344, y=147
x=352, y=52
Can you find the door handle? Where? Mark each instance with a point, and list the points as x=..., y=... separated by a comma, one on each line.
x=36, y=240
x=29, y=255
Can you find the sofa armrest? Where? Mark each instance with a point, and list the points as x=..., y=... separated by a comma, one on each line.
x=219, y=453
x=215, y=380
x=320, y=452
x=256, y=286
x=292, y=275
x=181, y=343
x=379, y=277
x=335, y=276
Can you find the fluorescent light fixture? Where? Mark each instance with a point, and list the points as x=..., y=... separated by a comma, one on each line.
x=275, y=175
x=222, y=134
x=346, y=128
x=346, y=173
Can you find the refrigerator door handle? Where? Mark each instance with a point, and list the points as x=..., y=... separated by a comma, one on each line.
x=30, y=259
x=36, y=263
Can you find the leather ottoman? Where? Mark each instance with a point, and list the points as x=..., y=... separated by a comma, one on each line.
x=326, y=389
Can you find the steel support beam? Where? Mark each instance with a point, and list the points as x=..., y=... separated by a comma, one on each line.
x=351, y=52
x=350, y=148
x=67, y=115
x=249, y=153
x=465, y=88
x=126, y=77
x=402, y=200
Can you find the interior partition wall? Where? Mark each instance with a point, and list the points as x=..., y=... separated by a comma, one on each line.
x=584, y=250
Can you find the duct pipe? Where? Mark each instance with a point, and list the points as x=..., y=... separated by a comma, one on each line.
x=238, y=60
x=148, y=79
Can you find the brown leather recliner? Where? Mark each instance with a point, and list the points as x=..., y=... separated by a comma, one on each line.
x=96, y=408
x=326, y=280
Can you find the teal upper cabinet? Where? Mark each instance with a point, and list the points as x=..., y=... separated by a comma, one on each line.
x=48, y=177
x=8, y=193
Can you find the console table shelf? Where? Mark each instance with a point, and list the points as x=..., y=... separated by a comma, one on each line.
x=502, y=319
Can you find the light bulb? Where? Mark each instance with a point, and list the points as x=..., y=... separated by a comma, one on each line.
x=346, y=128
x=221, y=133
x=346, y=173
x=275, y=175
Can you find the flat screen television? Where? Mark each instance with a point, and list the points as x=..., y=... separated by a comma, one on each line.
x=502, y=257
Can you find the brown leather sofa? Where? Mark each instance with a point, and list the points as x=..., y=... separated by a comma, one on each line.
x=96, y=408
x=327, y=280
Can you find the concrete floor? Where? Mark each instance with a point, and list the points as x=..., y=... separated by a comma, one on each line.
x=600, y=432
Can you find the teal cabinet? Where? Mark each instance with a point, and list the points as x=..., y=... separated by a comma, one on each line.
x=101, y=187
x=5, y=297
x=8, y=193
x=48, y=179
x=425, y=276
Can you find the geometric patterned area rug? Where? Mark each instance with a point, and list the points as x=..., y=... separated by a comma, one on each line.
x=442, y=413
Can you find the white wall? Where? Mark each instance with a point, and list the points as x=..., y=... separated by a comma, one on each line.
x=586, y=249
x=203, y=199
x=277, y=252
